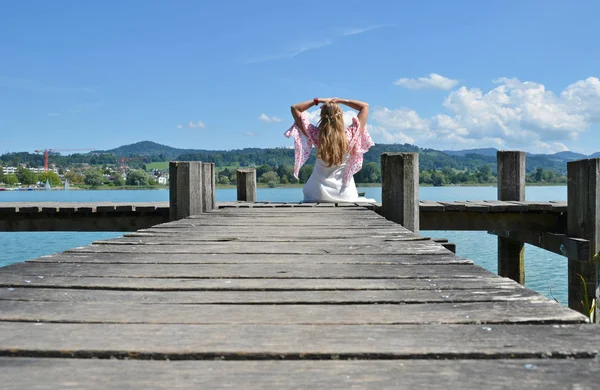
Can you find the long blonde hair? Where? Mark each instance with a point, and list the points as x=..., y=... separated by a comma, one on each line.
x=333, y=144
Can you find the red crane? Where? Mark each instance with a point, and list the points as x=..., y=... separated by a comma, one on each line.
x=47, y=151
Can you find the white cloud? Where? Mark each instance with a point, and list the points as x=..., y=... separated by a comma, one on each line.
x=53, y=114
x=434, y=80
x=269, y=119
x=514, y=114
x=250, y=134
x=192, y=125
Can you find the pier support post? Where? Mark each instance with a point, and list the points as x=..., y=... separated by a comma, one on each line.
x=511, y=186
x=400, y=188
x=583, y=221
x=185, y=189
x=208, y=187
x=246, y=185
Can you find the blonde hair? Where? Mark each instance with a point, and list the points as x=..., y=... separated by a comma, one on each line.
x=333, y=144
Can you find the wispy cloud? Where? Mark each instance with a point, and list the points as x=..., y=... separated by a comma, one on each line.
x=269, y=119
x=290, y=52
x=434, y=80
x=53, y=114
x=35, y=86
x=250, y=134
x=302, y=47
x=362, y=30
x=192, y=125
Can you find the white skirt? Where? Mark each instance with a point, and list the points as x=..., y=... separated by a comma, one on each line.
x=326, y=185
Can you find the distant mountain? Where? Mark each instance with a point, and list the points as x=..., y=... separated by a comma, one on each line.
x=429, y=159
x=489, y=152
x=570, y=156
x=149, y=148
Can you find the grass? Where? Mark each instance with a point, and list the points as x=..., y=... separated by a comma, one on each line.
x=161, y=165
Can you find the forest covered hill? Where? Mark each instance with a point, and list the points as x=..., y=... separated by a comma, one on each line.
x=148, y=151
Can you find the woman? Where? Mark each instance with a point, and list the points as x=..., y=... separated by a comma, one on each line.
x=339, y=150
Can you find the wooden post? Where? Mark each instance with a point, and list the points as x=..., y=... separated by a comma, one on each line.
x=185, y=189
x=400, y=188
x=246, y=185
x=583, y=221
x=208, y=187
x=511, y=186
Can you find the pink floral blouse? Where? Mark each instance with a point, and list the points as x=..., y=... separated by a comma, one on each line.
x=358, y=144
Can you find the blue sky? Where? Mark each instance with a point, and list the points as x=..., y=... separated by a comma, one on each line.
x=222, y=75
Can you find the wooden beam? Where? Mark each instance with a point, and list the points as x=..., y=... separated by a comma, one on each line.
x=465, y=220
x=246, y=185
x=561, y=244
x=400, y=188
x=185, y=188
x=209, y=201
x=583, y=200
x=511, y=186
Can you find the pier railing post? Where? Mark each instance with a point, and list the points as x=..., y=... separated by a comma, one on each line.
x=400, y=188
x=208, y=187
x=583, y=221
x=511, y=186
x=246, y=185
x=185, y=189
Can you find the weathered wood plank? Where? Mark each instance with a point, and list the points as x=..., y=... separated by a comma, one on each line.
x=283, y=240
x=287, y=270
x=137, y=258
x=263, y=284
x=534, y=374
x=398, y=248
x=511, y=312
x=269, y=297
x=445, y=341
x=463, y=220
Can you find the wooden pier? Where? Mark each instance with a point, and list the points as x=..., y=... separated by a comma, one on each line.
x=293, y=296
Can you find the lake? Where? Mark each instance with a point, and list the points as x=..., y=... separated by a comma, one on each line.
x=545, y=272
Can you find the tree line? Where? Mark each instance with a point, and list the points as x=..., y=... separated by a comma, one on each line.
x=371, y=173
x=92, y=177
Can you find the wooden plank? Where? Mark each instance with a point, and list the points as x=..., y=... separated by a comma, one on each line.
x=454, y=206
x=269, y=297
x=136, y=258
x=502, y=206
x=436, y=341
x=428, y=205
x=398, y=248
x=288, y=270
x=236, y=240
x=428, y=313
x=534, y=374
x=462, y=220
x=493, y=282
x=477, y=207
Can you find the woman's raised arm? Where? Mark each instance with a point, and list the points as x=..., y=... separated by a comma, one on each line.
x=362, y=107
x=299, y=108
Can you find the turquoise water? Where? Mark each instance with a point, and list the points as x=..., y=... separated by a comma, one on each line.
x=545, y=271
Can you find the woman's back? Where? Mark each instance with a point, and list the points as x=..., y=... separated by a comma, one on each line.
x=339, y=152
